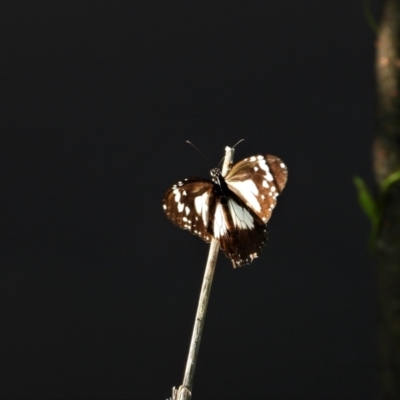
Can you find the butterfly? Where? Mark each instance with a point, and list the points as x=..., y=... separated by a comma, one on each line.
x=233, y=209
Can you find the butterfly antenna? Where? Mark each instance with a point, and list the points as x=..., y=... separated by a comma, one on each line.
x=240, y=141
x=222, y=159
x=189, y=142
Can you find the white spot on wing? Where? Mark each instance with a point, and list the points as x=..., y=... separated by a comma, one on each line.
x=181, y=206
x=253, y=256
x=241, y=217
x=197, y=204
x=177, y=196
x=262, y=164
x=219, y=222
x=200, y=203
x=282, y=165
x=205, y=214
x=164, y=207
x=248, y=191
x=187, y=210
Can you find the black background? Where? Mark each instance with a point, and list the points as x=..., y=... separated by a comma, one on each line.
x=98, y=290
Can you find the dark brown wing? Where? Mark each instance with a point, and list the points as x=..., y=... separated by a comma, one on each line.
x=242, y=234
x=189, y=205
x=258, y=180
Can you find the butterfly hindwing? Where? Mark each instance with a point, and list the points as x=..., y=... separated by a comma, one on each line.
x=189, y=203
x=233, y=209
x=258, y=180
x=242, y=234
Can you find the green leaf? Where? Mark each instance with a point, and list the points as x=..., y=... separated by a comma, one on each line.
x=372, y=209
x=366, y=201
x=389, y=181
x=369, y=16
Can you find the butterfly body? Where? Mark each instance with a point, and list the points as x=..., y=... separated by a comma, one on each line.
x=233, y=209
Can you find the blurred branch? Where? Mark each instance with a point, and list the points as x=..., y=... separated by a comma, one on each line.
x=386, y=152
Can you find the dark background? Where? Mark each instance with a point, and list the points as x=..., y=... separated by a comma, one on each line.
x=98, y=290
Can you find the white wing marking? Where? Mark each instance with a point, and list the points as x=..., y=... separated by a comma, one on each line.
x=219, y=222
x=263, y=165
x=241, y=217
x=200, y=202
x=248, y=191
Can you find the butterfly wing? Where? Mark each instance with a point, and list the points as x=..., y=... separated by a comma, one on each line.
x=242, y=234
x=189, y=204
x=236, y=218
x=258, y=180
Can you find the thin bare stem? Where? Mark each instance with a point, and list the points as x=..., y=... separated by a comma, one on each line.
x=185, y=390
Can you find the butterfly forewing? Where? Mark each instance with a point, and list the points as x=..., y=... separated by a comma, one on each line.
x=258, y=180
x=233, y=209
x=189, y=205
